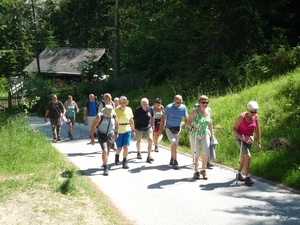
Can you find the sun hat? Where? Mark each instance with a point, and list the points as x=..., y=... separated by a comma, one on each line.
x=123, y=99
x=252, y=105
x=107, y=110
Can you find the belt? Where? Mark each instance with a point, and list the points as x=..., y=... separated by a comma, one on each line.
x=123, y=123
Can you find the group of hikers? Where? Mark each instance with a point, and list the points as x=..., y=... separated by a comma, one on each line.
x=114, y=123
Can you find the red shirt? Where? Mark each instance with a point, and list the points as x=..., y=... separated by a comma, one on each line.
x=247, y=128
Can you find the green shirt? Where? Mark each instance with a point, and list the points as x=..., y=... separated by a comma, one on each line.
x=201, y=122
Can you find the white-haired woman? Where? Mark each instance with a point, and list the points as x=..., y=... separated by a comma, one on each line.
x=244, y=128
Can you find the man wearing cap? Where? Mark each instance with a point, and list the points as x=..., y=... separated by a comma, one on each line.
x=171, y=121
x=243, y=129
x=107, y=130
x=144, y=124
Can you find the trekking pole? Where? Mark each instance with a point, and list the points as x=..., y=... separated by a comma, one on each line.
x=194, y=160
x=237, y=174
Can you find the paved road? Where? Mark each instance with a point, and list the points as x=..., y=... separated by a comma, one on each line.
x=157, y=194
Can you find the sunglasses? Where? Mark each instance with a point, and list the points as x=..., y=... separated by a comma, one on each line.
x=253, y=112
x=204, y=103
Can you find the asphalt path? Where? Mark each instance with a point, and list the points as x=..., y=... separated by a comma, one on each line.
x=155, y=193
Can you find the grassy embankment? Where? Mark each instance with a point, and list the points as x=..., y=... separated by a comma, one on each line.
x=279, y=116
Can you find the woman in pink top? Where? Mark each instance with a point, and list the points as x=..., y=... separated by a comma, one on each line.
x=243, y=128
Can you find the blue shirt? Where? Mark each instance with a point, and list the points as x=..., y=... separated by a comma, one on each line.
x=92, y=108
x=174, y=115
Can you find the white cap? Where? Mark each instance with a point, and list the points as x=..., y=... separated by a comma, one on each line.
x=252, y=105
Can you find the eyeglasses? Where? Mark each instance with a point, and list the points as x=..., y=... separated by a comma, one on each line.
x=204, y=103
x=253, y=112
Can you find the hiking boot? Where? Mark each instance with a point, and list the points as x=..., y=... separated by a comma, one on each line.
x=125, y=166
x=197, y=175
x=175, y=164
x=105, y=171
x=209, y=165
x=117, y=160
x=156, y=149
x=149, y=159
x=71, y=136
x=203, y=173
x=171, y=162
x=139, y=156
x=240, y=177
x=248, y=181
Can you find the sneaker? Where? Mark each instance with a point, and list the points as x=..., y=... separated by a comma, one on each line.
x=139, y=156
x=171, y=162
x=125, y=166
x=156, y=149
x=175, y=165
x=248, y=181
x=54, y=140
x=71, y=136
x=203, y=173
x=117, y=160
x=105, y=171
x=197, y=175
x=149, y=159
x=240, y=177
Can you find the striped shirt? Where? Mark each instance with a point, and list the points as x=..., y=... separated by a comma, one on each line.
x=174, y=115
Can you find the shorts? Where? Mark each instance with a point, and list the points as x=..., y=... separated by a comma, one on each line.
x=173, y=138
x=70, y=120
x=245, y=148
x=106, y=141
x=201, y=141
x=156, y=129
x=123, y=139
x=139, y=134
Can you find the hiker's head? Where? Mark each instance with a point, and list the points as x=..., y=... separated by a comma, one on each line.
x=107, y=110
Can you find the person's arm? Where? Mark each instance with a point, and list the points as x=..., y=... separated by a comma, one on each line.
x=77, y=108
x=84, y=113
x=116, y=127
x=236, y=126
x=162, y=124
x=258, y=135
x=189, y=120
x=95, y=124
x=45, y=116
x=131, y=122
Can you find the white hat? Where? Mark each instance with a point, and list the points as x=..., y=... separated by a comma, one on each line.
x=252, y=105
x=107, y=110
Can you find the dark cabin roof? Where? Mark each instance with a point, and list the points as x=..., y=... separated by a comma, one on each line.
x=63, y=60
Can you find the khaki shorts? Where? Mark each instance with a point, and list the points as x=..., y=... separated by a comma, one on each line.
x=245, y=147
x=139, y=134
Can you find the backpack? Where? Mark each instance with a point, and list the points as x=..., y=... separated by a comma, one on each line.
x=101, y=119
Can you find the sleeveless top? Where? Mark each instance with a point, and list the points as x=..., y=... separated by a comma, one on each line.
x=70, y=109
x=157, y=115
x=247, y=128
x=201, y=122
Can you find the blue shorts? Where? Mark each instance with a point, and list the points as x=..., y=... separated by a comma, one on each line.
x=123, y=139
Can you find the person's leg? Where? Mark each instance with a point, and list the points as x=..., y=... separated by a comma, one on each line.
x=205, y=141
x=58, y=132
x=119, y=143
x=127, y=138
x=247, y=159
x=195, y=150
x=149, y=135
x=53, y=126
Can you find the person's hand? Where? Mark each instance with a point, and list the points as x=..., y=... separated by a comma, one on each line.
x=116, y=135
x=92, y=140
x=194, y=128
x=258, y=147
x=133, y=133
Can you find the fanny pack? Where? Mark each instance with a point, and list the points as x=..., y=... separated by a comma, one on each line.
x=174, y=130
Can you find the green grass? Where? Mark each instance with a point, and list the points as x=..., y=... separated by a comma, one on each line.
x=29, y=164
x=279, y=114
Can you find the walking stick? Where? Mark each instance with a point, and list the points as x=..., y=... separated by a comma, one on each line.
x=237, y=174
